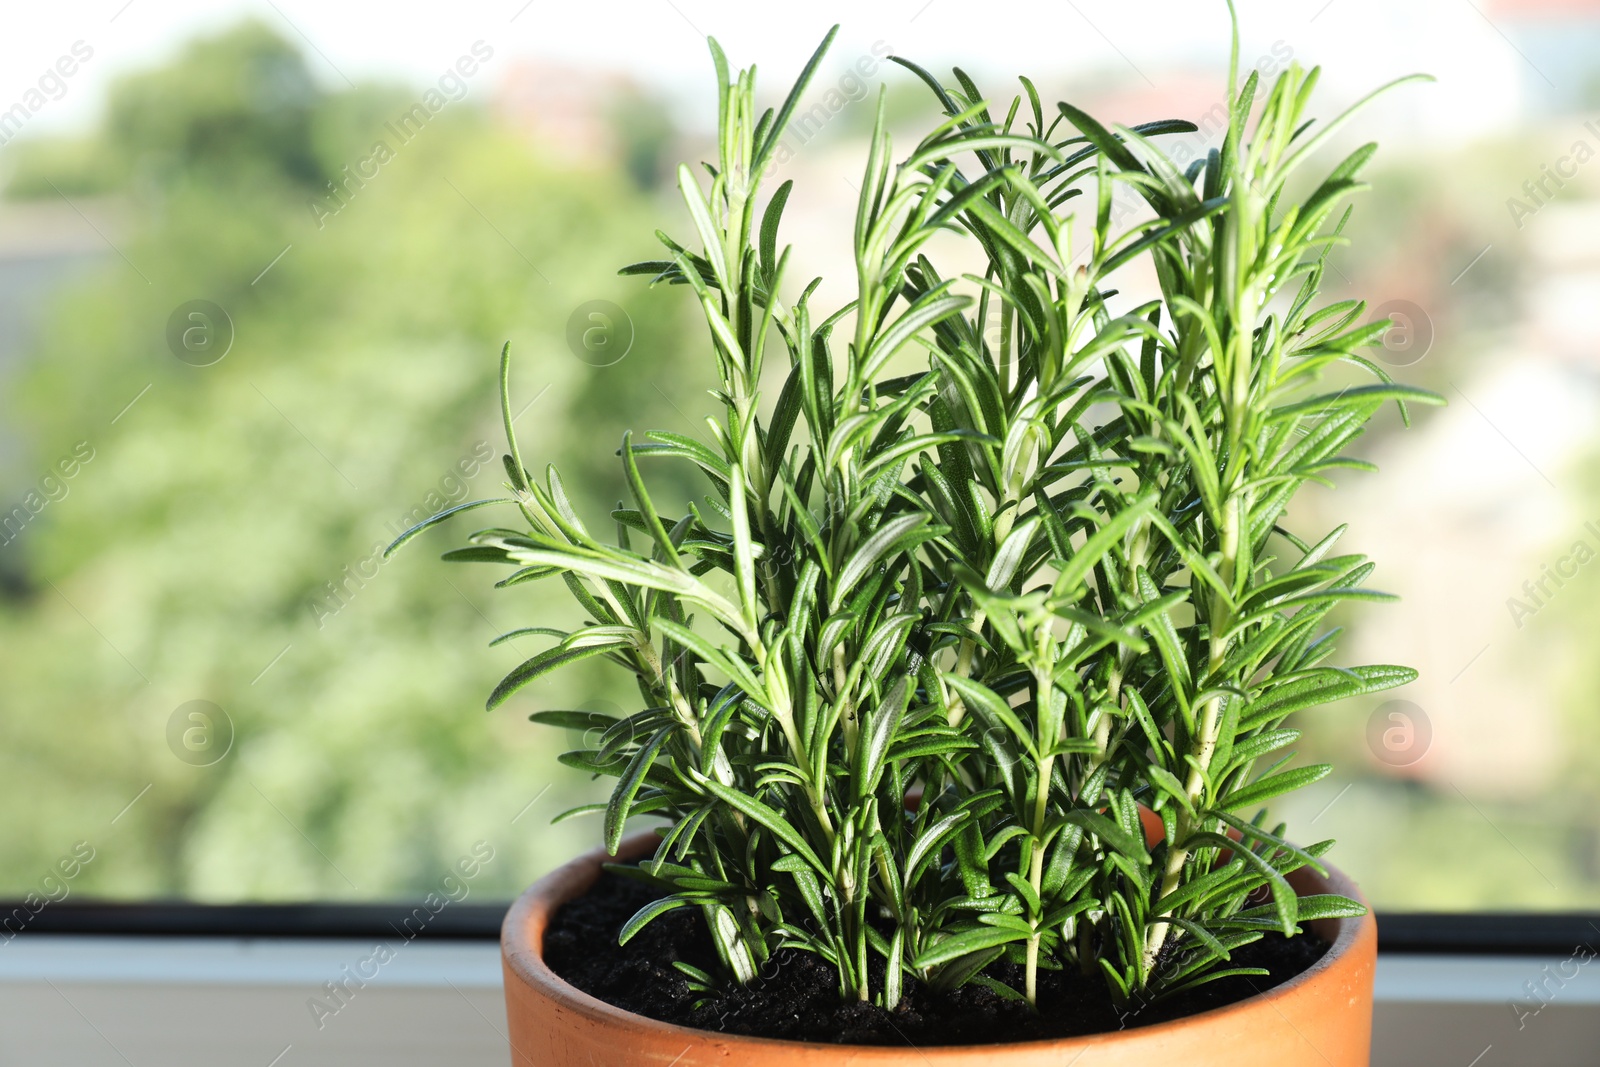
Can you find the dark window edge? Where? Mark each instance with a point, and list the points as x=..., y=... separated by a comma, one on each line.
x=1474, y=933
x=1488, y=933
x=444, y=921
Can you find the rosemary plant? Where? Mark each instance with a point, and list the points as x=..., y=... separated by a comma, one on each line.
x=990, y=660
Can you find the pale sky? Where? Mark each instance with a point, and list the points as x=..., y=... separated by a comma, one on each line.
x=1362, y=42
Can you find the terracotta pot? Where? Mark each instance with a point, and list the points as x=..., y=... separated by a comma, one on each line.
x=1323, y=1016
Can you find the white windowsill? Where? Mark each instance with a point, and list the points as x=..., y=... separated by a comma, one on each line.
x=245, y=961
x=85, y=1001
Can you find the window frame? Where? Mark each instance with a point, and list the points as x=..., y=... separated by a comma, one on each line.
x=1399, y=932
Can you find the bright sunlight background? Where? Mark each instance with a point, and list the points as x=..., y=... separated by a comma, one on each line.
x=179, y=533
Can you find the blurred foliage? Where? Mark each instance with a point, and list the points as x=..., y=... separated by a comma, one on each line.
x=198, y=541
x=1438, y=231
x=644, y=132
x=191, y=556
x=239, y=105
x=1416, y=847
x=70, y=166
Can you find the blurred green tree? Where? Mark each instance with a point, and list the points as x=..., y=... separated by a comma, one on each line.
x=219, y=544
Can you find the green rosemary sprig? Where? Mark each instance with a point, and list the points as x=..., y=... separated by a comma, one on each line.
x=980, y=662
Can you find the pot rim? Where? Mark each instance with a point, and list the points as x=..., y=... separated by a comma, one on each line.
x=522, y=950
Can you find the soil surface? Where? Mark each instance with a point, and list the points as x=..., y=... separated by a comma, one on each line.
x=797, y=995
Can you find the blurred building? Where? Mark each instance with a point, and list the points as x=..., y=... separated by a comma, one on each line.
x=1560, y=43
x=586, y=118
x=565, y=108
x=43, y=245
x=1482, y=519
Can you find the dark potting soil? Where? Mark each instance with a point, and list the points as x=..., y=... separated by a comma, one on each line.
x=797, y=995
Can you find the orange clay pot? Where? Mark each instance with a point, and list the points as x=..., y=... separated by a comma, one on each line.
x=1322, y=1016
